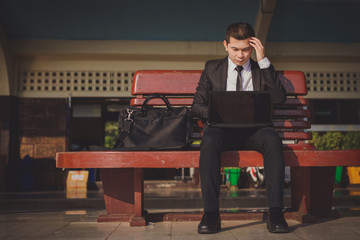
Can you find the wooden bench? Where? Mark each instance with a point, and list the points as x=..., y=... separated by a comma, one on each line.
x=312, y=171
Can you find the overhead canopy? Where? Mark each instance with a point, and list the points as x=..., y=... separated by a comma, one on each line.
x=186, y=20
x=200, y=20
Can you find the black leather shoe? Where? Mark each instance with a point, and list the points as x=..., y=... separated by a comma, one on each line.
x=210, y=223
x=276, y=223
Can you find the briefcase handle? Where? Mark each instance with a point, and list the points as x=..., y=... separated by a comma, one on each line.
x=156, y=95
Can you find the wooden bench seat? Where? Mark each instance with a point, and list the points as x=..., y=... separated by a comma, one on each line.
x=190, y=159
x=312, y=171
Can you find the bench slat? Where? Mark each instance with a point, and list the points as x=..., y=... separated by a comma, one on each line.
x=159, y=102
x=185, y=82
x=277, y=113
x=292, y=124
x=283, y=135
x=295, y=102
x=182, y=101
x=290, y=113
x=165, y=81
x=301, y=145
x=297, y=84
x=295, y=135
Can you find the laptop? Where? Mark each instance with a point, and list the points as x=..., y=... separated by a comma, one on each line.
x=240, y=109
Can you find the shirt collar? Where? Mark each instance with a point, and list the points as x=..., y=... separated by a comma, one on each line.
x=246, y=66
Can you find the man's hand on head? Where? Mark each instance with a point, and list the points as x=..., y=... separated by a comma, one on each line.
x=259, y=48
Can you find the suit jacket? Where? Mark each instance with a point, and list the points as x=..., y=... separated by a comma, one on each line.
x=214, y=78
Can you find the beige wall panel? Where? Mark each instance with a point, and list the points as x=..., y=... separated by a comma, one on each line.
x=4, y=77
x=116, y=47
x=307, y=49
x=92, y=86
x=119, y=58
x=107, y=65
x=4, y=68
x=317, y=66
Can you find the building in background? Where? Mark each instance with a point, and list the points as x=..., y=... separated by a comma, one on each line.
x=66, y=67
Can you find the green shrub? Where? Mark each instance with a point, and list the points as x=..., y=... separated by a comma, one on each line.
x=111, y=134
x=336, y=140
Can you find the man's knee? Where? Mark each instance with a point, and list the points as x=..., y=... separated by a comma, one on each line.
x=270, y=136
x=269, y=132
x=212, y=136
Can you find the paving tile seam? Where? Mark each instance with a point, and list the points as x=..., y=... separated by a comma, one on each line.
x=113, y=231
x=297, y=235
x=57, y=230
x=171, y=230
x=233, y=234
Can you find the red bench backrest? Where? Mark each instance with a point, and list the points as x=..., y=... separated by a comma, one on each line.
x=290, y=118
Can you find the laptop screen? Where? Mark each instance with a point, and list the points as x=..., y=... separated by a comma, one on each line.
x=239, y=107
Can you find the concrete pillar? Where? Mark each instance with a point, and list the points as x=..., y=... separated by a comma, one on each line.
x=4, y=66
x=263, y=21
x=8, y=118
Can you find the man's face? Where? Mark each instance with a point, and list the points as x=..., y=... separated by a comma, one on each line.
x=239, y=50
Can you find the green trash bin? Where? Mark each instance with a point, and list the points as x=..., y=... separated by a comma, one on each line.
x=234, y=176
x=338, y=175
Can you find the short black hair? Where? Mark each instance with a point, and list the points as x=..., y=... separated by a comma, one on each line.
x=239, y=31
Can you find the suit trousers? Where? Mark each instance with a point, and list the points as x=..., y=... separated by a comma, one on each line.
x=264, y=140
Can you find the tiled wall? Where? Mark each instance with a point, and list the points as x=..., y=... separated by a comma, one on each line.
x=42, y=133
x=42, y=127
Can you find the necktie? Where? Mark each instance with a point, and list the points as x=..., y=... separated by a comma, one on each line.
x=238, y=81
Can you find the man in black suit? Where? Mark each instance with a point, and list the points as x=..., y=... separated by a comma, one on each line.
x=238, y=72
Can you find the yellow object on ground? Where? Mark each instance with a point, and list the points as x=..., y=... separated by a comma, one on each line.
x=354, y=175
x=76, y=184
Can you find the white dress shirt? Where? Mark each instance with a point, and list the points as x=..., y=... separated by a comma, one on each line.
x=246, y=77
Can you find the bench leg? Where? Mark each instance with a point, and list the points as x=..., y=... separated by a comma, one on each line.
x=123, y=195
x=312, y=193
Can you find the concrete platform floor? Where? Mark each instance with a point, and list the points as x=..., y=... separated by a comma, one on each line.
x=158, y=198
x=52, y=215
x=83, y=225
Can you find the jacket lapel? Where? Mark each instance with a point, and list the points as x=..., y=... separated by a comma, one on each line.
x=256, y=78
x=223, y=69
